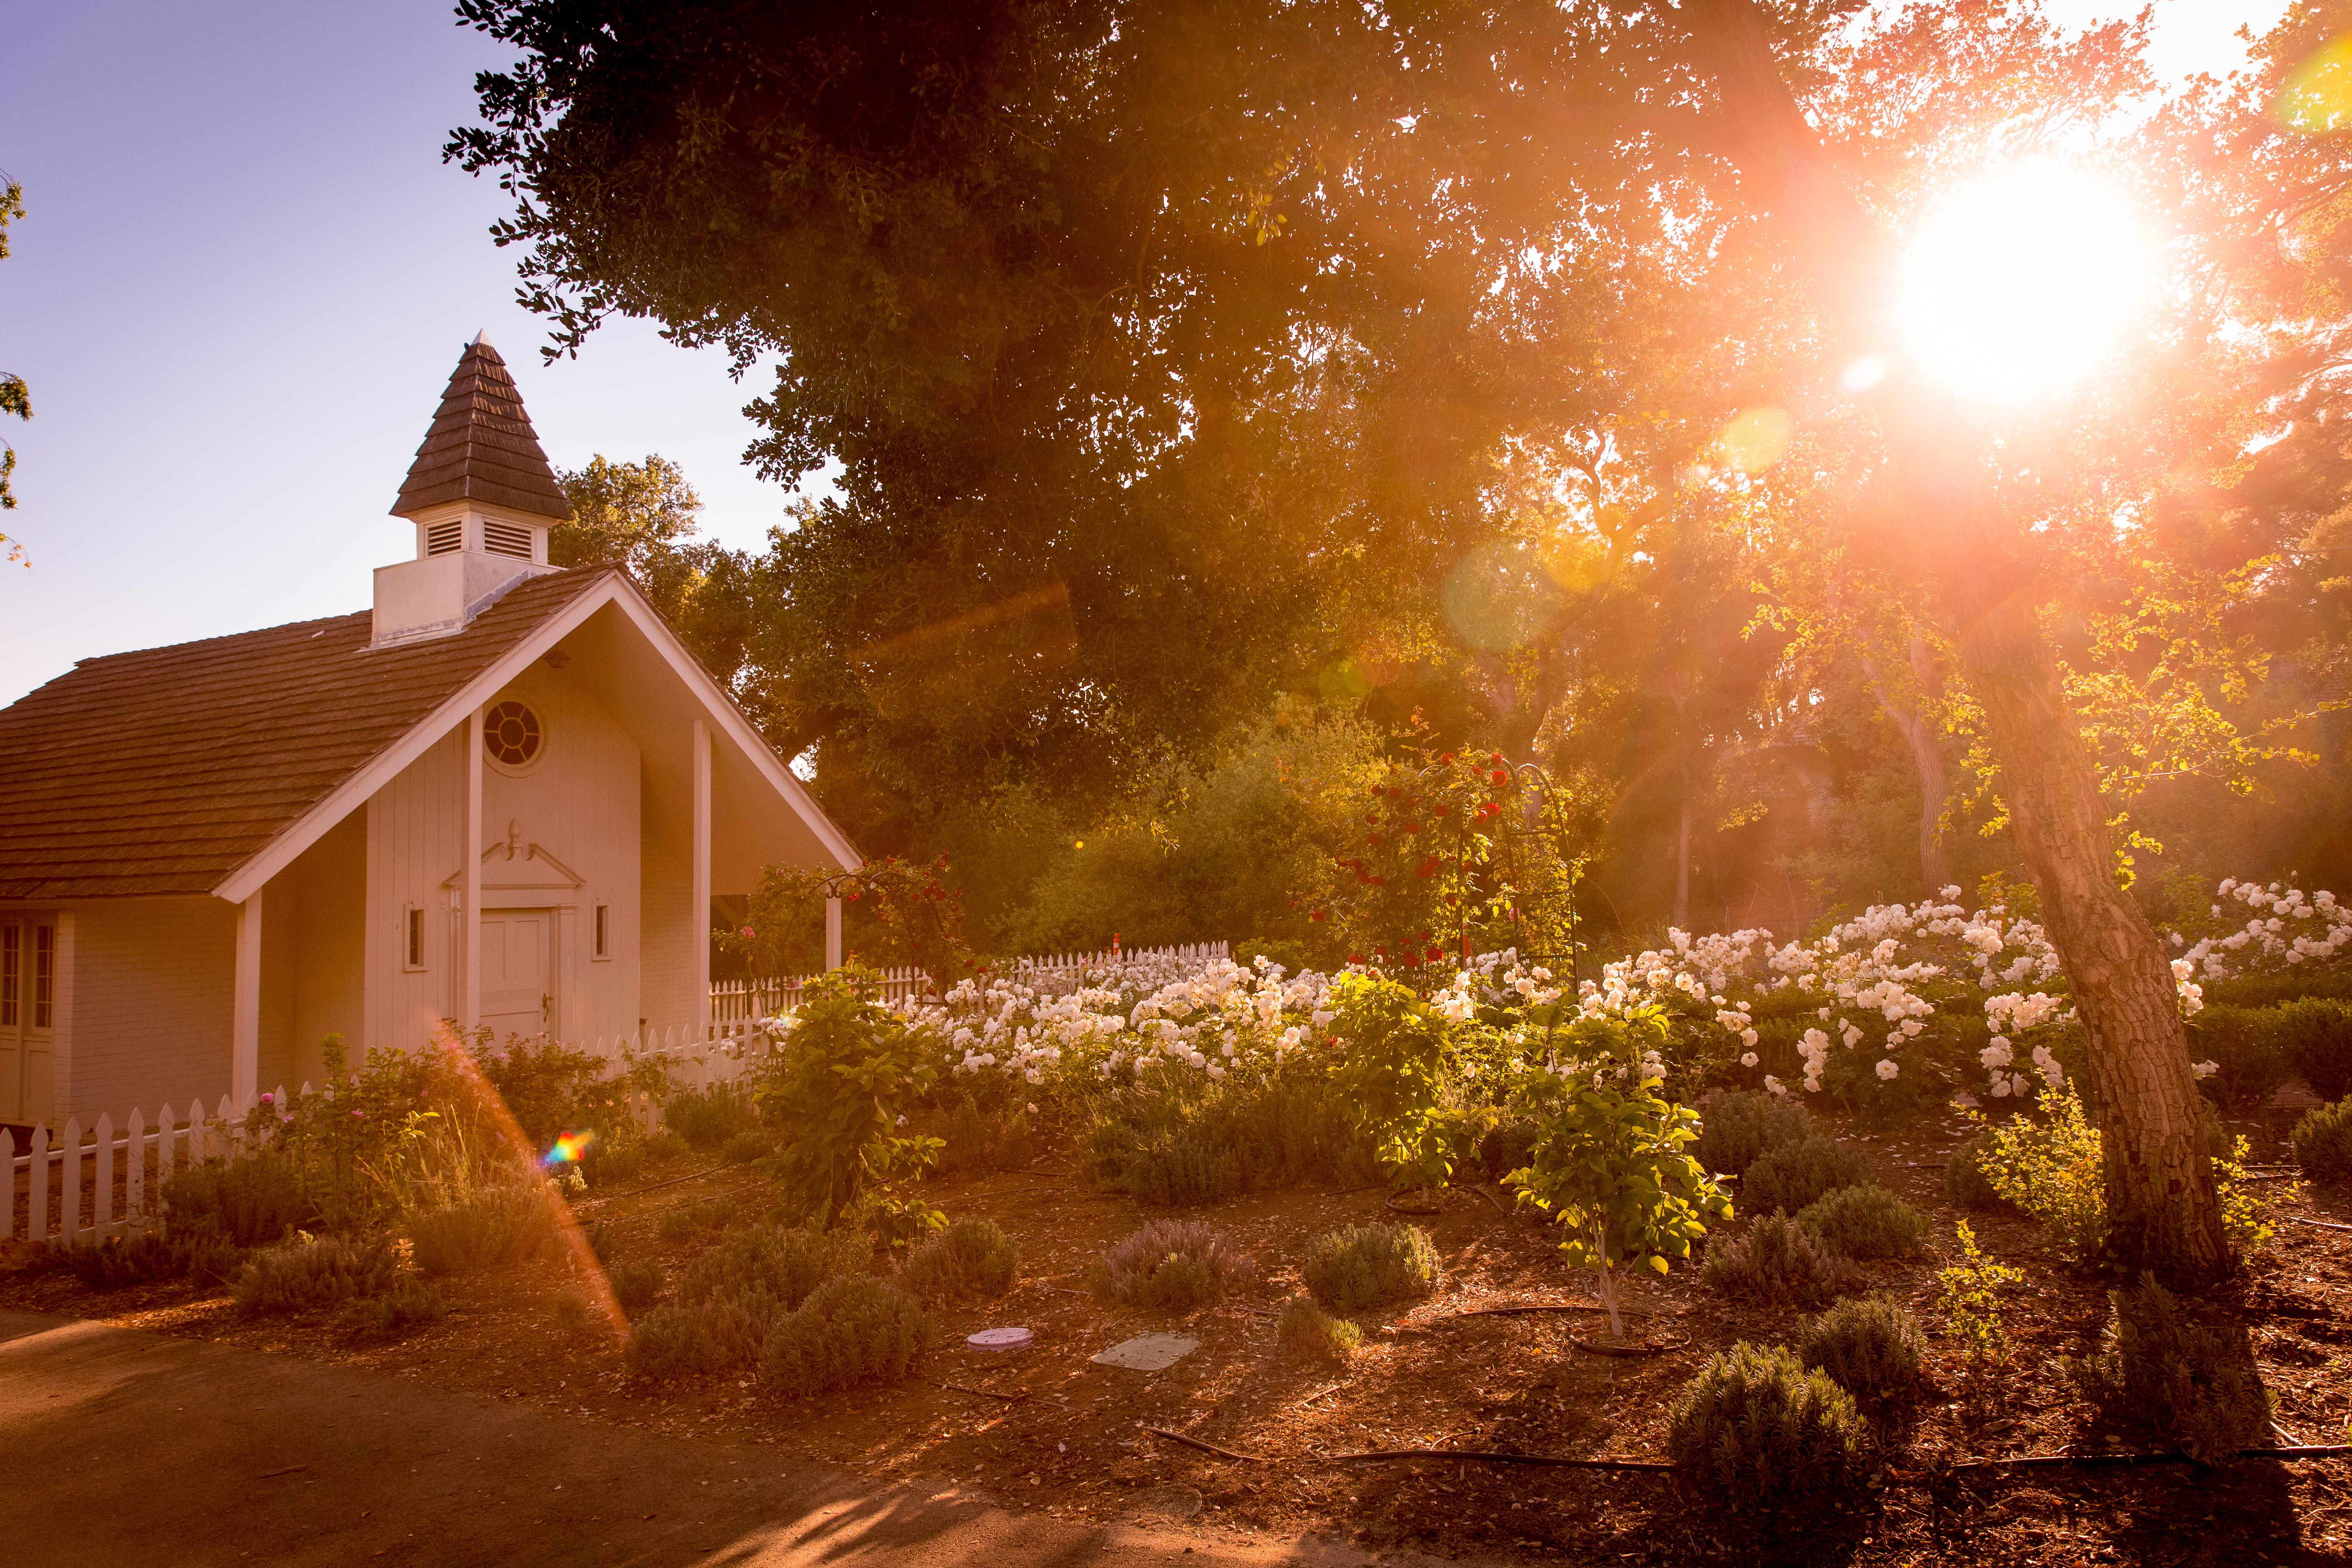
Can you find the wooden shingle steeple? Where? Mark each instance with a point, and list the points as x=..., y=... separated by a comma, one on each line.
x=481, y=447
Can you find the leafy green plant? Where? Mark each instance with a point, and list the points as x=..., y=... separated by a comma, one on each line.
x=694, y=1221
x=496, y=1225
x=118, y=1261
x=1972, y=1314
x=746, y=1147
x=412, y=1303
x=1756, y=1429
x=313, y=1274
x=778, y=1261
x=705, y=1338
x=707, y=1118
x=1306, y=1333
x=1965, y=1185
x=1780, y=1262
x=1873, y=1348
x=252, y=1202
x=1508, y=1146
x=853, y=1329
x=2194, y=1386
x=1613, y=1166
x=1867, y=1222
x=1793, y=1175
x=2315, y=1033
x=1175, y=1150
x=636, y=1287
x=1391, y=1076
x=2322, y=1140
x=849, y=1070
x=1355, y=1269
x=2246, y=1045
x=1169, y=1266
x=973, y=1259
x=1736, y=1126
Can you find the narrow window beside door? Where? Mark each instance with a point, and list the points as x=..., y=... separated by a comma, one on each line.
x=601, y=947
x=12, y=967
x=412, y=939
x=45, y=975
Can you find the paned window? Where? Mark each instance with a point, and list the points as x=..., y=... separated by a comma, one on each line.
x=511, y=733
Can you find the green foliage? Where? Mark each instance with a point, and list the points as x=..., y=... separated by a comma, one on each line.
x=693, y=1222
x=1867, y=1222
x=746, y=1147
x=1169, y=1266
x=1965, y=1185
x=314, y=1273
x=974, y=1140
x=970, y=1260
x=412, y=1303
x=1391, y=1076
x=2246, y=1044
x=1756, y=1429
x=1177, y=1151
x=847, y=1071
x=707, y=1118
x=2315, y=1033
x=2322, y=1140
x=636, y=1286
x=1780, y=1263
x=1613, y=1166
x=1364, y=1266
x=783, y=1262
x=1873, y=1348
x=1508, y=1146
x=1737, y=1126
x=1306, y=1333
x=664, y=1146
x=852, y=1329
x=1972, y=1315
x=1794, y=1175
x=641, y=515
x=14, y=397
x=498, y=1226
x=251, y=1202
x=2195, y=1388
x=915, y=918
x=118, y=1261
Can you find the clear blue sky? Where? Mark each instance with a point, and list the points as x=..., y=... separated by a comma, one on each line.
x=245, y=275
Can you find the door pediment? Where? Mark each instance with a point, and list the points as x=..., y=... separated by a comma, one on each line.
x=514, y=865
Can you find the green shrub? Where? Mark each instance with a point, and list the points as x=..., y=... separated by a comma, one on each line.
x=2245, y=1043
x=1867, y=1222
x=783, y=1262
x=1508, y=1146
x=635, y=1286
x=1872, y=1348
x=1168, y=1266
x=1352, y=1271
x=694, y=1221
x=664, y=1146
x=1965, y=1185
x=211, y=1258
x=1236, y=1138
x=1972, y=1314
x=576, y=1317
x=2315, y=1033
x=854, y=1329
x=1791, y=1175
x=970, y=1260
x=2193, y=1385
x=313, y=1274
x=851, y=1066
x=118, y=1261
x=1306, y=1333
x=977, y=1139
x=1391, y=1076
x=412, y=1304
x=614, y=1158
x=507, y=1224
x=2322, y=1140
x=722, y=1334
x=1737, y=1126
x=1780, y=1262
x=252, y=1202
x=1756, y=1429
x=746, y=1147
x=707, y=1118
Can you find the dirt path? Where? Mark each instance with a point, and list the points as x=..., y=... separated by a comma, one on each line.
x=122, y=1446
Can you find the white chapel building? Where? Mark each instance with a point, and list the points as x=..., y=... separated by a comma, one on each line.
x=505, y=795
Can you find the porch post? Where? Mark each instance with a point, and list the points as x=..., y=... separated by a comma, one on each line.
x=471, y=1015
x=833, y=933
x=702, y=881
x=244, y=1026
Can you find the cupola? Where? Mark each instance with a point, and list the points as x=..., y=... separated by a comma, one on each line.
x=482, y=497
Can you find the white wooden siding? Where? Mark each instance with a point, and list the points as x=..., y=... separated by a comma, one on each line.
x=150, y=1016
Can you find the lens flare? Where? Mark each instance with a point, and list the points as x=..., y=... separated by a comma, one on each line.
x=2317, y=98
x=2018, y=285
x=1754, y=441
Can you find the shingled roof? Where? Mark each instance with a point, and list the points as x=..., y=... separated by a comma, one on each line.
x=162, y=772
x=481, y=447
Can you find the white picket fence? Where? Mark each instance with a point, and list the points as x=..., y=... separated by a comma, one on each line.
x=747, y=1001
x=64, y=1186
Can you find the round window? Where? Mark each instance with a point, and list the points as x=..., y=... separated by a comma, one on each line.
x=512, y=735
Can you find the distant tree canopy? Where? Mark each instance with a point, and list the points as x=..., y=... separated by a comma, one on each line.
x=14, y=397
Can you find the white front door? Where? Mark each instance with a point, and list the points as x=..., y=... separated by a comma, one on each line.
x=518, y=971
x=28, y=980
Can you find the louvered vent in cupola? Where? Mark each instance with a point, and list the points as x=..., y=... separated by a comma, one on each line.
x=506, y=539
x=443, y=537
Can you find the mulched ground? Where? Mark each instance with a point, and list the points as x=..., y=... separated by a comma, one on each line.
x=1072, y=1444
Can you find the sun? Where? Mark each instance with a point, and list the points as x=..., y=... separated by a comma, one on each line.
x=2017, y=287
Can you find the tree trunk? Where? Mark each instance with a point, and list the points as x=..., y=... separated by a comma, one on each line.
x=1927, y=760
x=2163, y=1210
x=1681, y=858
